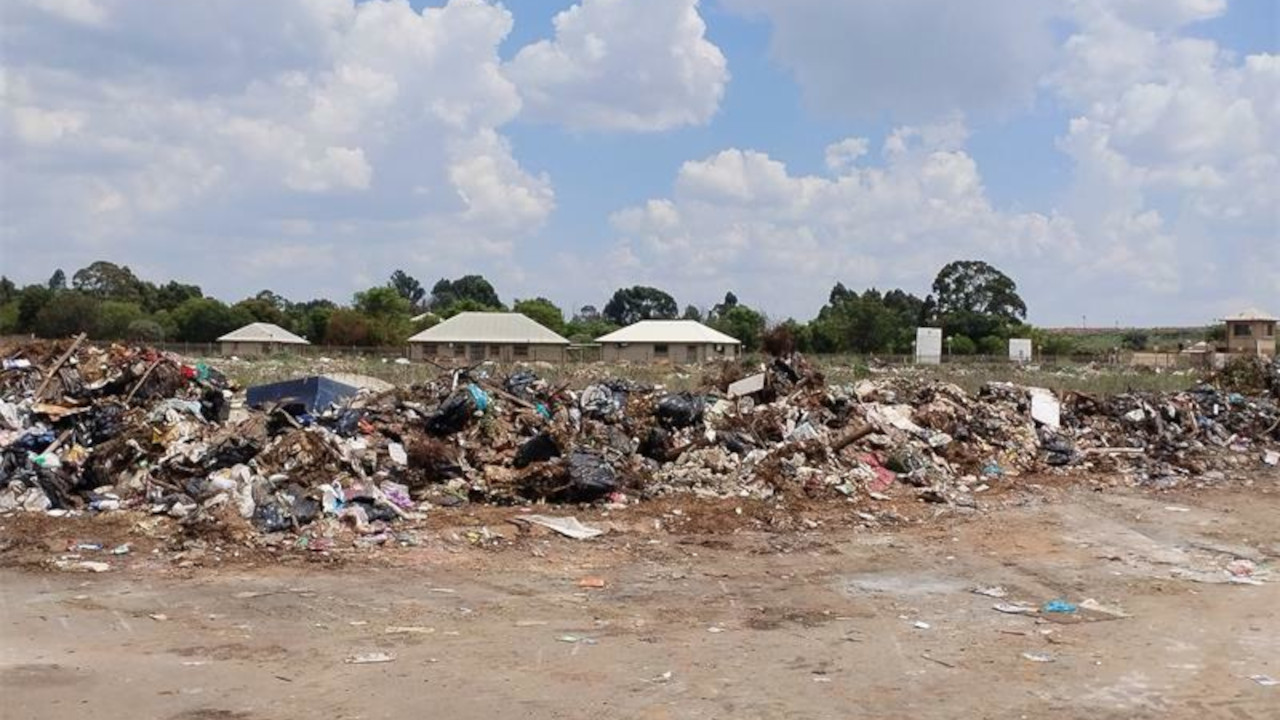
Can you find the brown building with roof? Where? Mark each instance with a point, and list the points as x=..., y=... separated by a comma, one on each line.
x=1251, y=332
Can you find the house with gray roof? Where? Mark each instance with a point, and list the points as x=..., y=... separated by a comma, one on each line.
x=673, y=341
x=259, y=339
x=471, y=337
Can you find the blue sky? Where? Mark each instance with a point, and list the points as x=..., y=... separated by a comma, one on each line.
x=1117, y=158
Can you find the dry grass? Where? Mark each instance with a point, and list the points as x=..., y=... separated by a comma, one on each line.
x=1097, y=379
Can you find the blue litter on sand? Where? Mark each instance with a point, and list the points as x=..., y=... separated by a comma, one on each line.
x=1058, y=606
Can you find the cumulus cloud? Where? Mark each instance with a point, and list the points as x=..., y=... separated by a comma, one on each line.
x=741, y=219
x=911, y=59
x=151, y=131
x=1174, y=141
x=623, y=65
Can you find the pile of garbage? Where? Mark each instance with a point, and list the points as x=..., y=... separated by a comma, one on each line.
x=88, y=429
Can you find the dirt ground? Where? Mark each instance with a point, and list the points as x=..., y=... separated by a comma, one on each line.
x=830, y=621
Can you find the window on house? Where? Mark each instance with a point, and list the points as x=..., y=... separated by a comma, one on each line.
x=520, y=351
x=1242, y=330
x=495, y=351
x=460, y=350
x=659, y=350
x=428, y=349
x=1268, y=331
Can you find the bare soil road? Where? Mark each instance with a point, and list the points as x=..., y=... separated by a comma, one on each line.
x=826, y=623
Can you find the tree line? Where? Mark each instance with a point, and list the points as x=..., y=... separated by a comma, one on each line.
x=977, y=306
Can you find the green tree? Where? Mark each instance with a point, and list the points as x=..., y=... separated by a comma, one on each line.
x=66, y=314
x=348, y=327
x=461, y=306
x=468, y=287
x=1052, y=344
x=381, y=301
x=542, y=311
x=57, y=281
x=976, y=287
x=114, y=319
x=961, y=345
x=31, y=300
x=8, y=291
x=633, y=304
x=109, y=281
x=386, y=313
x=581, y=330
x=145, y=330
x=691, y=312
x=207, y=319
x=993, y=346
x=975, y=299
x=408, y=287
x=743, y=323
x=857, y=323
x=9, y=318
x=171, y=295
x=266, y=307
x=719, y=309
x=1135, y=340
x=310, y=319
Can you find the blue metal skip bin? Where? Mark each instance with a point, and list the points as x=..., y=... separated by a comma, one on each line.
x=309, y=394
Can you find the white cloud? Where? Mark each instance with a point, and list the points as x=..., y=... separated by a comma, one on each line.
x=623, y=65
x=88, y=12
x=1174, y=140
x=1165, y=13
x=911, y=59
x=842, y=155
x=149, y=130
x=42, y=127
x=739, y=219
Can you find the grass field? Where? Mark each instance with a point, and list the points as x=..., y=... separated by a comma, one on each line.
x=1091, y=378
x=1103, y=340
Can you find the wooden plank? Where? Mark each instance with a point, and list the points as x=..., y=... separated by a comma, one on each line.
x=58, y=365
x=138, y=385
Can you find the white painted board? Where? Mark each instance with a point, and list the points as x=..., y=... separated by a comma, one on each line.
x=1020, y=349
x=928, y=346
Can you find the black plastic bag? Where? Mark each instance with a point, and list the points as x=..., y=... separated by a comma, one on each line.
x=680, y=410
x=539, y=448
x=591, y=475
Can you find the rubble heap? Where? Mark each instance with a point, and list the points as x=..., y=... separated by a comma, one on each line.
x=98, y=429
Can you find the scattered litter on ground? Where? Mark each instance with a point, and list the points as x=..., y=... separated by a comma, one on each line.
x=370, y=658
x=408, y=630
x=567, y=526
x=576, y=640
x=1058, y=606
x=1016, y=608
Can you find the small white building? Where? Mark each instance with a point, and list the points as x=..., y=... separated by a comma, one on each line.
x=259, y=339
x=674, y=341
x=497, y=336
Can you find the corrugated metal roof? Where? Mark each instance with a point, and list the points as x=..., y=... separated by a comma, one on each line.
x=483, y=327
x=263, y=332
x=1251, y=314
x=668, y=331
